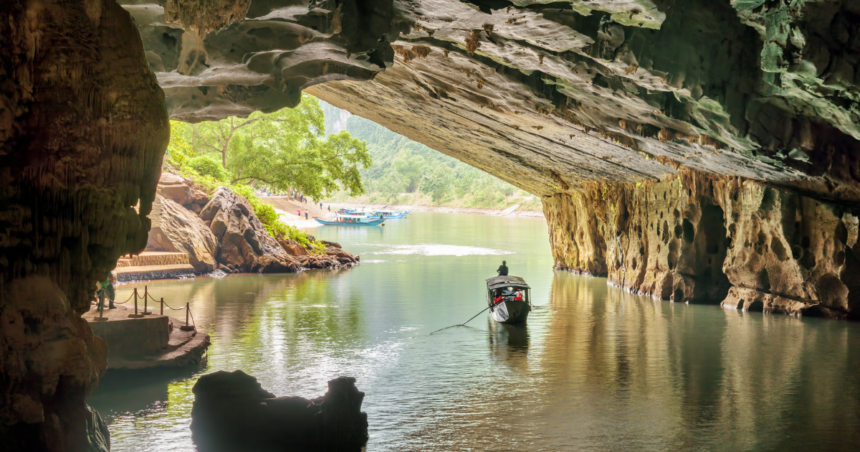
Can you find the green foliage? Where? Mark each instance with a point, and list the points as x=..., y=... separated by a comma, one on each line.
x=402, y=165
x=207, y=174
x=437, y=183
x=411, y=168
x=271, y=220
x=286, y=149
x=206, y=165
x=179, y=150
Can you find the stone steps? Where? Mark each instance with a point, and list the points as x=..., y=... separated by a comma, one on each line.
x=149, y=272
x=148, y=258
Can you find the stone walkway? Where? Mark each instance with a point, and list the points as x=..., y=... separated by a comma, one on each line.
x=150, y=265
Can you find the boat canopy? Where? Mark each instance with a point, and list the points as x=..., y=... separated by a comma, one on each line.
x=352, y=217
x=505, y=281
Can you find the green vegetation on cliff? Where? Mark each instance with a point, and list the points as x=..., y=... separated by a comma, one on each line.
x=405, y=171
x=208, y=175
x=280, y=151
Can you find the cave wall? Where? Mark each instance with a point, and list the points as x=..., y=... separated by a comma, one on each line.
x=83, y=128
x=713, y=239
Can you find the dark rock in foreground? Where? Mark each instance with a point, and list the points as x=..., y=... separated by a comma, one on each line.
x=233, y=412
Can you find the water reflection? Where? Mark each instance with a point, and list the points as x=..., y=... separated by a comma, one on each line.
x=595, y=368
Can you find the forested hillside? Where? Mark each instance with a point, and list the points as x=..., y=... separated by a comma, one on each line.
x=405, y=171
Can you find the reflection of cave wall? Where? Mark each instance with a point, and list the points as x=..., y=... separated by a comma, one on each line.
x=712, y=239
x=83, y=127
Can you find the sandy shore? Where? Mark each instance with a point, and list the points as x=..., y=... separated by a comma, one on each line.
x=442, y=209
x=297, y=221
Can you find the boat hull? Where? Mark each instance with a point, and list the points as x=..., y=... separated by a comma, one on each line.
x=375, y=222
x=510, y=312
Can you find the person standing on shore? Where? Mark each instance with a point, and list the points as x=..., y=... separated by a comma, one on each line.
x=306, y=214
x=106, y=290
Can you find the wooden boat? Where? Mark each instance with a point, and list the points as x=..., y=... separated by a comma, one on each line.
x=509, y=298
x=393, y=214
x=352, y=220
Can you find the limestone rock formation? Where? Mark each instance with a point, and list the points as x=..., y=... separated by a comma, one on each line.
x=334, y=257
x=705, y=238
x=231, y=409
x=181, y=191
x=83, y=128
x=245, y=245
x=175, y=188
x=48, y=352
x=292, y=247
x=572, y=99
x=177, y=229
x=596, y=106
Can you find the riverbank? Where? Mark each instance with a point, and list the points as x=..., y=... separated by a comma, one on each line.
x=509, y=212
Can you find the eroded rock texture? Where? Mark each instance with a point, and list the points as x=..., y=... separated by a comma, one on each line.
x=705, y=238
x=261, y=59
x=245, y=245
x=83, y=128
x=548, y=95
x=232, y=411
x=569, y=98
x=175, y=228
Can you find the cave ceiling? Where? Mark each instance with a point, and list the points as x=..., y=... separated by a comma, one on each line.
x=546, y=95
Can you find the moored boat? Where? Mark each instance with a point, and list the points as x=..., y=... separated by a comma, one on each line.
x=392, y=214
x=352, y=220
x=509, y=298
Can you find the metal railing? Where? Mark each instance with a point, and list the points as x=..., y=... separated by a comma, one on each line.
x=146, y=297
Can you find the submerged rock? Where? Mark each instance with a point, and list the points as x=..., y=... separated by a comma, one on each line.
x=233, y=412
x=246, y=246
x=175, y=228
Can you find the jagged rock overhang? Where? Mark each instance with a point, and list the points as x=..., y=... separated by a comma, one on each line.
x=547, y=96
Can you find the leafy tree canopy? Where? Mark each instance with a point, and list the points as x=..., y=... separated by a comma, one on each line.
x=286, y=149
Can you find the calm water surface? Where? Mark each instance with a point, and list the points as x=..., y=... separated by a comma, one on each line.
x=596, y=368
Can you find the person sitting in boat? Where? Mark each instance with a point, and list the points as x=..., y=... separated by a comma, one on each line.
x=519, y=296
x=503, y=269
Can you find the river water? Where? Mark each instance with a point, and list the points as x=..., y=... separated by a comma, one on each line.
x=595, y=368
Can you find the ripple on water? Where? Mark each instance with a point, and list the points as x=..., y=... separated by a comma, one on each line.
x=435, y=249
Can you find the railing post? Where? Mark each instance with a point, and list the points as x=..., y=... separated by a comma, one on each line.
x=145, y=299
x=186, y=314
x=162, y=306
x=135, y=301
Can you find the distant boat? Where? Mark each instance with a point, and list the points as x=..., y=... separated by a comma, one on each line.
x=393, y=214
x=352, y=220
x=509, y=298
x=388, y=214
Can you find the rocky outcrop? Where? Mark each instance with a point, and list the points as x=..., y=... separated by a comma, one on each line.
x=712, y=239
x=83, y=128
x=181, y=191
x=175, y=228
x=570, y=99
x=551, y=95
x=246, y=246
x=293, y=248
x=51, y=361
x=333, y=256
x=233, y=412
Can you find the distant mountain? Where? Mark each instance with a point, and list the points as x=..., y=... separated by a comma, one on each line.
x=335, y=118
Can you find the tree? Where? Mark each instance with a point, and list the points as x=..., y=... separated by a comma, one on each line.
x=411, y=169
x=178, y=149
x=288, y=149
x=437, y=183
